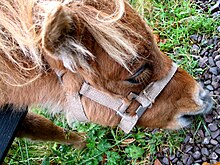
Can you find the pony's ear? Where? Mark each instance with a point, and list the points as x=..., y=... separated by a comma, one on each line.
x=59, y=40
x=57, y=24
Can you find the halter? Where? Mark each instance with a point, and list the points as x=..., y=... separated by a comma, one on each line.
x=146, y=98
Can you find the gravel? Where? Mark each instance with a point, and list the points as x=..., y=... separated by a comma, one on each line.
x=203, y=145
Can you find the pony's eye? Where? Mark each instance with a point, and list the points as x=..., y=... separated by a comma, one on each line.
x=133, y=81
x=134, y=78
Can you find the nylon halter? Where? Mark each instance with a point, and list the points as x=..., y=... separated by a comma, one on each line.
x=146, y=98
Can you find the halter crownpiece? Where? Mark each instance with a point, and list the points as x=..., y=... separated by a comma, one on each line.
x=146, y=98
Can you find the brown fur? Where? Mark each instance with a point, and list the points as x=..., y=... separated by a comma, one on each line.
x=84, y=41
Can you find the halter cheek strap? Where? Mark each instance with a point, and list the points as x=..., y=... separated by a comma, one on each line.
x=146, y=98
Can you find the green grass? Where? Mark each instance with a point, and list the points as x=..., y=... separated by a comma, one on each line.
x=174, y=21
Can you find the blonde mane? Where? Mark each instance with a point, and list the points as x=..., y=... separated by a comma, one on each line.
x=21, y=23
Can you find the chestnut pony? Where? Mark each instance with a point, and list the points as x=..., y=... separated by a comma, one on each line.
x=50, y=48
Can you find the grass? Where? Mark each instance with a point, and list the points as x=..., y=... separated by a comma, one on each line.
x=174, y=21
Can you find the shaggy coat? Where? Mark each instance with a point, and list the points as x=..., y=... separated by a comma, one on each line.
x=49, y=48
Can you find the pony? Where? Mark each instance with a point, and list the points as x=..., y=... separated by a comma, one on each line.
x=81, y=58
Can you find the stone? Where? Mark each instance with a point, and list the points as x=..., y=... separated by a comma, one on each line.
x=180, y=163
x=204, y=158
x=211, y=62
x=210, y=42
x=196, y=155
x=174, y=161
x=213, y=161
x=172, y=157
x=190, y=160
x=200, y=38
x=218, y=29
x=214, y=70
x=215, y=8
x=199, y=161
x=218, y=64
x=188, y=148
x=210, y=87
x=217, y=151
x=213, y=155
x=208, y=118
x=215, y=85
x=217, y=57
x=215, y=134
x=191, y=140
x=203, y=51
x=185, y=158
x=194, y=38
x=216, y=39
x=207, y=82
x=213, y=126
x=195, y=49
x=205, y=151
x=166, y=161
x=214, y=142
x=186, y=140
x=200, y=133
x=215, y=53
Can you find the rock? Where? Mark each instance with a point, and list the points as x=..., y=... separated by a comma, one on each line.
x=214, y=84
x=218, y=29
x=172, y=157
x=199, y=161
x=213, y=155
x=199, y=38
x=206, y=140
x=213, y=126
x=204, y=158
x=205, y=151
x=207, y=82
x=201, y=134
x=203, y=51
x=194, y=38
x=185, y=158
x=217, y=57
x=214, y=70
x=210, y=87
x=188, y=148
x=216, y=39
x=215, y=134
x=195, y=49
x=186, y=140
x=166, y=161
x=214, y=142
x=191, y=141
x=218, y=64
x=208, y=118
x=215, y=8
x=196, y=155
x=215, y=53
x=217, y=151
x=211, y=62
x=213, y=161
x=203, y=41
x=180, y=163
x=190, y=160
x=174, y=161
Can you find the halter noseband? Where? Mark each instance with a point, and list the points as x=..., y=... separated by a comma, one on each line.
x=146, y=98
